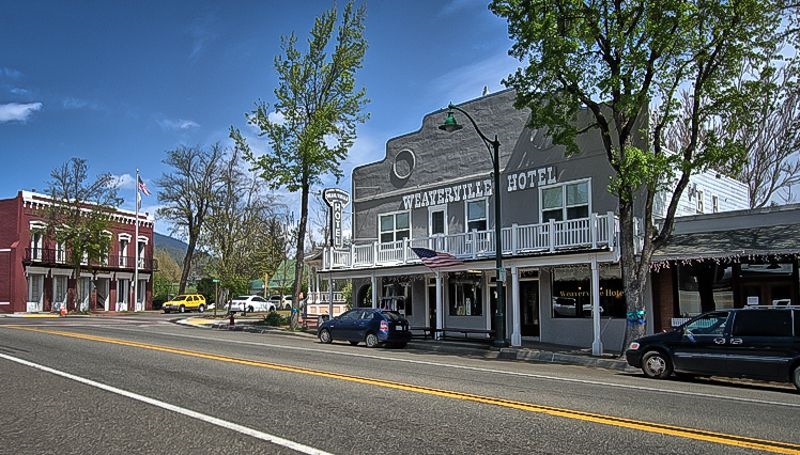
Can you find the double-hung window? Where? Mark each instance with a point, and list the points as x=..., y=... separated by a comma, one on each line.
x=476, y=215
x=394, y=227
x=565, y=202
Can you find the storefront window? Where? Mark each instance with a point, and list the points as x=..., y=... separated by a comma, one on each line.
x=704, y=287
x=466, y=297
x=572, y=292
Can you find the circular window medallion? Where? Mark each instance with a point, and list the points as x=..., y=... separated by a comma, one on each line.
x=404, y=163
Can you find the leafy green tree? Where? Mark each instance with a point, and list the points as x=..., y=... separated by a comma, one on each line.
x=313, y=119
x=618, y=60
x=80, y=232
x=187, y=193
x=241, y=234
x=168, y=273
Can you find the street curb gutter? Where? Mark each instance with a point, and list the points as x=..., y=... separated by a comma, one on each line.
x=515, y=354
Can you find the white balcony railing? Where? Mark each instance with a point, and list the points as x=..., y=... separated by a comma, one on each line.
x=597, y=231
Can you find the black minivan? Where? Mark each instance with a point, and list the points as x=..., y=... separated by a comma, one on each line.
x=756, y=343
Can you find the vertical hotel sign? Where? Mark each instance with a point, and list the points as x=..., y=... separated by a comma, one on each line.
x=336, y=199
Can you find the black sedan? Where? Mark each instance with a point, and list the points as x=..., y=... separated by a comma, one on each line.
x=371, y=325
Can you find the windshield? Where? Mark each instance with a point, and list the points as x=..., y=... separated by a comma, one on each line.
x=180, y=297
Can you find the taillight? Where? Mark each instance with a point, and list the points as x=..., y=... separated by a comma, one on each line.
x=634, y=346
x=384, y=326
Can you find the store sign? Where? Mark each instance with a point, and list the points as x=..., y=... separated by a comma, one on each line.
x=336, y=199
x=517, y=181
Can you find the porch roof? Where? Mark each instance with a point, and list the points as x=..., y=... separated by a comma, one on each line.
x=764, y=241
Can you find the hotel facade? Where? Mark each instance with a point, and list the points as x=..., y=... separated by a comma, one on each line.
x=559, y=233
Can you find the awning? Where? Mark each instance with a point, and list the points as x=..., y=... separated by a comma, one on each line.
x=748, y=243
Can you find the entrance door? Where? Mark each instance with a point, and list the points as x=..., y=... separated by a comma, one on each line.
x=529, y=308
x=101, y=293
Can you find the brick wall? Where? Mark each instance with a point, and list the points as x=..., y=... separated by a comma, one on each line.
x=663, y=299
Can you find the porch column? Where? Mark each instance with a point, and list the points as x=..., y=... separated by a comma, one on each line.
x=439, y=305
x=597, y=345
x=516, y=334
x=374, y=291
x=330, y=296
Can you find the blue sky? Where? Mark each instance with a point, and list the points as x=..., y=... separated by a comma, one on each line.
x=120, y=83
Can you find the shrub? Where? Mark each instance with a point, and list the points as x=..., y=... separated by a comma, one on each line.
x=274, y=319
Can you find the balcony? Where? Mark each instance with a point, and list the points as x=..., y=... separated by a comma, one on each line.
x=597, y=231
x=59, y=257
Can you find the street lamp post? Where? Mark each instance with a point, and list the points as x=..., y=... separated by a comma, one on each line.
x=493, y=145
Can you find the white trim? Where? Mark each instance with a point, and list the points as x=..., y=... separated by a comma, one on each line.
x=37, y=224
x=5, y=303
x=431, y=210
x=29, y=270
x=564, y=206
x=124, y=236
x=5, y=250
x=144, y=239
x=394, y=231
x=123, y=275
x=61, y=272
x=486, y=213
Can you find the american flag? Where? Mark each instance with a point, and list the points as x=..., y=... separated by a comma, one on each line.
x=434, y=259
x=143, y=187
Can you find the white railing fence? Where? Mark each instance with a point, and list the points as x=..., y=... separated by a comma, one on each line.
x=596, y=231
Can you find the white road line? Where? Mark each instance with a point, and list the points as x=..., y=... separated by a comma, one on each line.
x=471, y=368
x=171, y=407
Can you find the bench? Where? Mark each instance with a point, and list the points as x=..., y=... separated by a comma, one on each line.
x=430, y=331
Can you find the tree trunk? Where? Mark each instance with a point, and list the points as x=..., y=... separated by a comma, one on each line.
x=187, y=262
x=633, y=278
x=299, y=255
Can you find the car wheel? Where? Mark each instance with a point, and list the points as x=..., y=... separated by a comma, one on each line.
x=182, y=309
x=796, y=377
x=201, y=308
x=250, y=309
x=372, y=340
x=354, y=343
x=325, y=336
x=166, y=311
x=656, y=365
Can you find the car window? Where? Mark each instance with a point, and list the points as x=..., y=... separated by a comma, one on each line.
x=708, y=324
x=180, y=297
x=368, y=315
x=275, y=297
x=258, y=299
x=762, y=323
x=241, y=297
x=352, y=314
x=392, y=315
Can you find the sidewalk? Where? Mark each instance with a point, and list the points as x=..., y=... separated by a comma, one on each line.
x=530, y=352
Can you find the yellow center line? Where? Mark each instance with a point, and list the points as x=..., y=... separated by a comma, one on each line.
x=650, y=427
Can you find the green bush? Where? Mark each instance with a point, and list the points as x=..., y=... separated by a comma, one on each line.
x=275, y=319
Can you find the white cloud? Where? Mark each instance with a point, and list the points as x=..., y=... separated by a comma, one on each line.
x=468, y=82
x=276, y=117
x=78, y=103
x=125, y=181
x=176, y=124
x=10, y=73
x=17, y=112
x=19, y=91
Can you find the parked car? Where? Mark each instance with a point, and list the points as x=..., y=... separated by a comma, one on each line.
x=756, y=343
x=283, y=302
x=371, y=325
x=185, y=302
x=250, y=303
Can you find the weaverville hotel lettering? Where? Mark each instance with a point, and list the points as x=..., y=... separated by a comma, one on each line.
x=523, y=180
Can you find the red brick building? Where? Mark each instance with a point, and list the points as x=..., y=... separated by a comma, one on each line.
x=35, y=275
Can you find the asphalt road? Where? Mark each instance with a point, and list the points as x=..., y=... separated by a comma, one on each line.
x=141, y=384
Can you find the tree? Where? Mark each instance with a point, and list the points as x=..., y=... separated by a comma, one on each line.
x=168, y=273
x=315, y=113
x=80, y=233
x=619, y=60
x=241, y=235
x=187, y=193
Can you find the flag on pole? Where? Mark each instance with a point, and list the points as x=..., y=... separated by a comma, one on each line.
x=436, y=259
x=142, y=186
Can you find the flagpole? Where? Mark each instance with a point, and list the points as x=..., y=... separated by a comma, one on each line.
x=136, y=251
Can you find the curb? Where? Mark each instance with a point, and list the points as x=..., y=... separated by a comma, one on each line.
x=514, y=354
